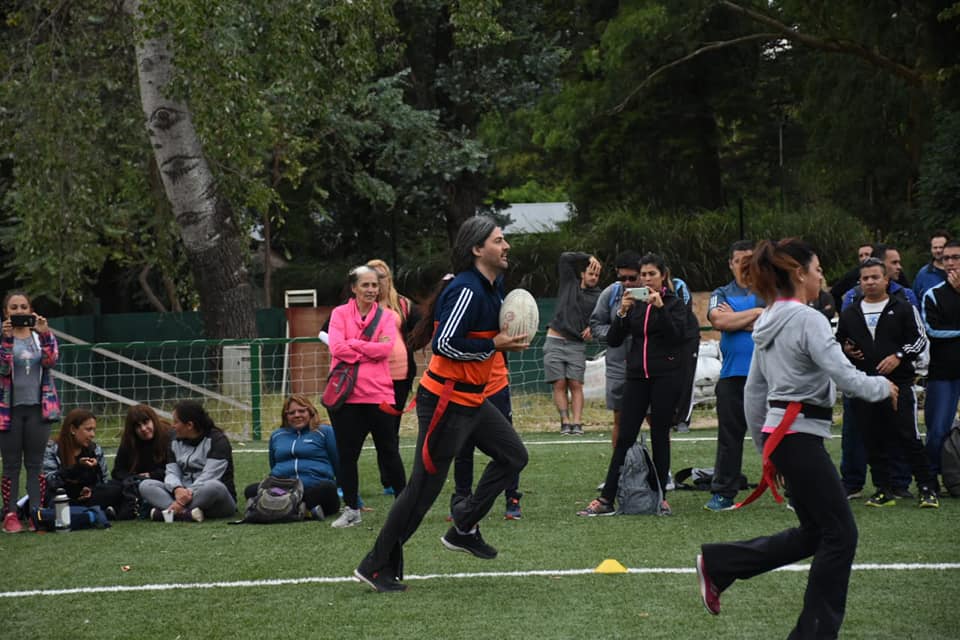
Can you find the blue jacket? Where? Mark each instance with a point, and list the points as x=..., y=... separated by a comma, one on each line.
x=928, y=277
x=305, y=454
x=736, y=347
x=467, y=318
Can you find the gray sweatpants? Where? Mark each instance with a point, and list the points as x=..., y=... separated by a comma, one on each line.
x=24, y=442
x=211, y=497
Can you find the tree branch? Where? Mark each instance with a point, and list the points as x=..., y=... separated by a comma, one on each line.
x=713, y=46
x=172, y=294
x=148, y=290
x=846, y=47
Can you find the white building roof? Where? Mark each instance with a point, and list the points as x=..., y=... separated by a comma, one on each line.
x=536, y=217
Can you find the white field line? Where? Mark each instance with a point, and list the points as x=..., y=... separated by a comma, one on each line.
x=539, y=443
x=281, y=582
x=533, y=443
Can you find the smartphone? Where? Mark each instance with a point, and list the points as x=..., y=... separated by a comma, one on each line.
x=23, y=320
x=640, y=294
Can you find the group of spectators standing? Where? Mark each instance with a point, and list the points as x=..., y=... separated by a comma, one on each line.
x=885, y=327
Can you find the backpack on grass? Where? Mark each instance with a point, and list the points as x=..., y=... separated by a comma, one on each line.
x=277, y=500
x=639, y=491
x=702, y=478
x=92, y=517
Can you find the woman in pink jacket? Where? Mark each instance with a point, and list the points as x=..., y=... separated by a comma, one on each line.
x=361, y=414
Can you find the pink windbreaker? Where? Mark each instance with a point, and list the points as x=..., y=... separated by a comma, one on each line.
x=347, y=344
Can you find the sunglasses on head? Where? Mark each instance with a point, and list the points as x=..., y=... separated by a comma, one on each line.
x=628, y=278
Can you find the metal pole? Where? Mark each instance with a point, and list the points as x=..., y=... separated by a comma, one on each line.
x=255, y=388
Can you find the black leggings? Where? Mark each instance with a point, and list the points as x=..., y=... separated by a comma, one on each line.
x=401, y=390
x=660, y=396
x=827, y=531
x=351, y=424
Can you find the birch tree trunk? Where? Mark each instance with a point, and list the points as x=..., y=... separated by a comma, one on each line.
x=210, y=236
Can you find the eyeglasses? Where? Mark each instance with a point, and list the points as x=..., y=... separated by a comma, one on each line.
x=952, y=256
x=296, y=412
x=628, y=278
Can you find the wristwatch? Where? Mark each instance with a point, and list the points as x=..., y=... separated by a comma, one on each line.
x=899, y=354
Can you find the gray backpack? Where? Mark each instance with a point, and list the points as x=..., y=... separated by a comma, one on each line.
x=950, y=461
x=277, y=500
x=639, y=491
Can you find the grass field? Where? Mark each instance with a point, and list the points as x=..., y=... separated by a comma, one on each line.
x=211, y=580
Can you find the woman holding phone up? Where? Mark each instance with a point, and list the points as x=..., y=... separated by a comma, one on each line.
x=28, y=401
x=660, y=325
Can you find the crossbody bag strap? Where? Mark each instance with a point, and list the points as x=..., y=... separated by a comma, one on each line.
x=368, y=331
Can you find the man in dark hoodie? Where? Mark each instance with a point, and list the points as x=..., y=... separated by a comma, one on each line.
x=565, y=350
x=941, y=316
x=883, y=336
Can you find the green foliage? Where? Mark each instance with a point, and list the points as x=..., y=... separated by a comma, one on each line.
x=69, y=93
x=939, y=183
x=532, y=191
x=695, y=246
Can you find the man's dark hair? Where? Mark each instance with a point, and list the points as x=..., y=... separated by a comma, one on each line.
x=874, y=261
x=941, y=233
x=627, y=260
x=472, y=233
x=880, y=250
x=740, y=245
x=952, y=243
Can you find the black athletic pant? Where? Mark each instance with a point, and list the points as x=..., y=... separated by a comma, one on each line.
x=495, y=437
x=401, y=390
x=351, y=424
x=323, y=494
x=660, y=396
x=827, y=531
x=731, y=429
x=463, y=464
x=887, y=432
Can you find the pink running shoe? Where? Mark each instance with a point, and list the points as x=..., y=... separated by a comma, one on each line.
x=708, y=591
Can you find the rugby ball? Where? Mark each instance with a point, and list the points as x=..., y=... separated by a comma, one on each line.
x=519, y=313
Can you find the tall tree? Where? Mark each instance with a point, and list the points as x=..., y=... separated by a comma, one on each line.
x=211, y=237
x=257, y=77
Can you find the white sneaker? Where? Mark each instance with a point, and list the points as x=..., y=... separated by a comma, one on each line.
x=349, y=518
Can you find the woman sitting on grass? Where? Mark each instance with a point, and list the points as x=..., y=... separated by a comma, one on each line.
x=144, y=445
x=198, y=482
x=303, y=448
x=74, y=462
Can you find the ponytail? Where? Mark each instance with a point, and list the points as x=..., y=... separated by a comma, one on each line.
x=770, y=272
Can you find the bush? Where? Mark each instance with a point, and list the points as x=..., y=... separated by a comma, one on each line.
x=695, y=245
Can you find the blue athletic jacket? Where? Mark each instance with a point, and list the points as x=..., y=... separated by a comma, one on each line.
x=467, y=318
x=305, y=454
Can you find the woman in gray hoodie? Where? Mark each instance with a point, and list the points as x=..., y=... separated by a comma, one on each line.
x=797, y=366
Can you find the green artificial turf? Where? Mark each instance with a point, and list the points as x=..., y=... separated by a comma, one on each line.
x=450, y=602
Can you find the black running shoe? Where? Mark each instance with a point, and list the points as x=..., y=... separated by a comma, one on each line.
x=380, y=581
x=468, y=543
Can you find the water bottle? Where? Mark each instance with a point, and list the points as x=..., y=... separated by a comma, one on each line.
x=61, y=506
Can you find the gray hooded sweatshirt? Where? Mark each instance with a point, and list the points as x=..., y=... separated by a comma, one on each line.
x=797, y=358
